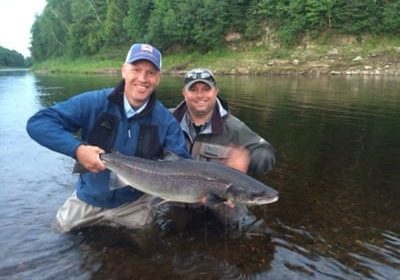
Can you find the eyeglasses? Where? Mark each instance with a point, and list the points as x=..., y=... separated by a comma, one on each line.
x=197, y=74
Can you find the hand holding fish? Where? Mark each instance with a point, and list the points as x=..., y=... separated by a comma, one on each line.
x=89, y=157
x=238, y=158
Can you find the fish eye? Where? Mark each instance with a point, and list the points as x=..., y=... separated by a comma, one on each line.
x=253, y=194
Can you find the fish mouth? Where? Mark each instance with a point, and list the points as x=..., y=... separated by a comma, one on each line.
x=263, y=200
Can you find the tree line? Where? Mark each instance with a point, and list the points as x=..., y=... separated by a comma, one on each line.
x=87, y=27
x=11, y=58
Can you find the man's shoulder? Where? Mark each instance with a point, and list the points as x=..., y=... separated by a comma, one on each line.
x=232, y=120
x=94, y=97
x=236, y=124
x=161, y=110
x=102, y=92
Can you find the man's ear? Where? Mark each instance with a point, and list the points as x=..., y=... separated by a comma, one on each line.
x=159, y=79
x=123, y=70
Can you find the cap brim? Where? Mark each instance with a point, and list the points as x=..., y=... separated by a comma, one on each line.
x=208, y=82
x=144, y=57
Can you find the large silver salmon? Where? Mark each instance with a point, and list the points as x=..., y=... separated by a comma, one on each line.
x=189, y=181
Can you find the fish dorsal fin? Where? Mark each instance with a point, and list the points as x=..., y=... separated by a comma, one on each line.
x=228, y=187
x=170, y=156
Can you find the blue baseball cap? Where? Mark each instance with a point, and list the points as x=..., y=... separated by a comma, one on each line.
x=144, y=52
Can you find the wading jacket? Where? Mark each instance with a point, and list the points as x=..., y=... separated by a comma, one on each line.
x=213, y=141
x=100, y=119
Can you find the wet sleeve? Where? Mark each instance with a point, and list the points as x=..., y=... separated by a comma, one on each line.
x=263, y=157
x=55, y=127
x=262, y=153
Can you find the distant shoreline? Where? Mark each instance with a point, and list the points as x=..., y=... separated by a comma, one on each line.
x=304, y=70
x=13, y=69
x=375, y=56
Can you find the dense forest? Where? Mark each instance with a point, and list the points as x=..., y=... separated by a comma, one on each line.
x=86, y=27
x=11, y=58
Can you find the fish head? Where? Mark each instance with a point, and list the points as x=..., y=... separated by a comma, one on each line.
x=251, y=196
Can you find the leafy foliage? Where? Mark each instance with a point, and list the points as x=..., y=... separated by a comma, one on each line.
x=11, y=58
x=85, y=27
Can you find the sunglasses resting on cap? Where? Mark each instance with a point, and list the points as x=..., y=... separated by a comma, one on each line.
x=199, y=75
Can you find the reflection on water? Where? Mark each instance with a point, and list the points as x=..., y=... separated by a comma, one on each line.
x=337, y=174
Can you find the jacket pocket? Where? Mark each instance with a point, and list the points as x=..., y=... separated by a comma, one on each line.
x=104, y=132
x=149, y=145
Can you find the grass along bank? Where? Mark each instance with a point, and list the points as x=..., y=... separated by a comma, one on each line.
x=335, y=55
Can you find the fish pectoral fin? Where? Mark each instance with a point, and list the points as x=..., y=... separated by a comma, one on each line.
x=229, y=203
x=78, y=168
x=212, y=199
x=156, y=201
x=116, y=182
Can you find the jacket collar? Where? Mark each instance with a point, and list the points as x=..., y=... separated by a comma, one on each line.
x=117, y=97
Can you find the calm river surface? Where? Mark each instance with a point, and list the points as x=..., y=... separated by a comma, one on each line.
x=338, y=174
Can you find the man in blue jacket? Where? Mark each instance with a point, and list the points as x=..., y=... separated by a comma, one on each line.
x=128, y=119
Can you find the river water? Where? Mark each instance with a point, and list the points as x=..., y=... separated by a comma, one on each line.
x=338, y=175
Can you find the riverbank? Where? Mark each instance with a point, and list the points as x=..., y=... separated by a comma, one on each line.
x=338, y=56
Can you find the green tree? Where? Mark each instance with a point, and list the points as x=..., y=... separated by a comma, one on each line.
x=357, y=16
x=292, y=16
x=203, y=24
x=86, y=32
x=114, y=32
x=41, y=42
x=137, y=19
x=163, y=26
x=318, y=14
x=287, y=16
x=210, y=30
x=86, y=27
x=235, y=14
x=11, y=58
x=50, y=30
x=391, y=18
